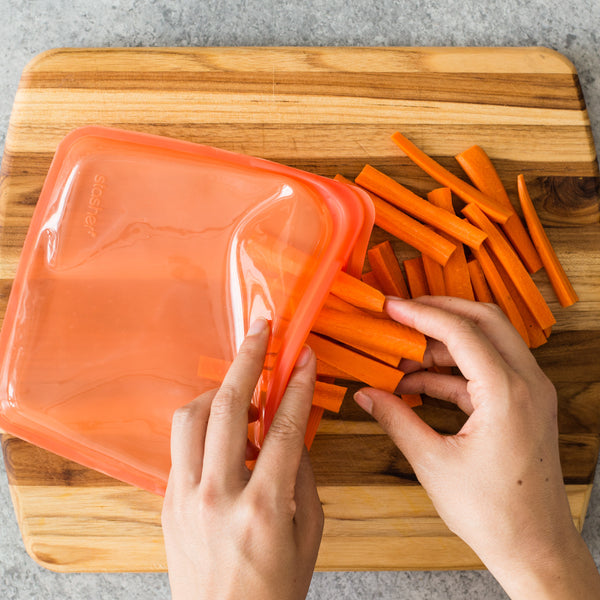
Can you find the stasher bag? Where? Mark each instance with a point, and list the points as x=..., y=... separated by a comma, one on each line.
x=146, y=261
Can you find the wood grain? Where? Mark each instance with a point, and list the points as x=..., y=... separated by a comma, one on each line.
x=326, y=110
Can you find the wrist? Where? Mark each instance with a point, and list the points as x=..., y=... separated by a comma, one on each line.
x=563, y=570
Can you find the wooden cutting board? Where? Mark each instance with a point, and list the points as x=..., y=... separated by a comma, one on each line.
x=325, y=110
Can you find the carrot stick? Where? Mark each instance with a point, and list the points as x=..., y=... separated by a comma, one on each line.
x=276, y=256
x=478, y=166
x=435, y=277
x=412, y=399
x=407, y=229
x=329, y=396
x=457, y=281
x=364, y=369
x=415, y=275
x=387, y=271
x=357, y=292
x=382, y=335
x=480, y=285
x=558, y=278
x=468, y=193
x=501, y=294
x=513, y=266
x=394, y=192
x=336, y=303
x=326, y=370
x=314, y=419
x=535, y=333
x=371, y=279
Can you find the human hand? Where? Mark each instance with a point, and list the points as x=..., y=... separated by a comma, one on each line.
x=230, y=533
x=497, y=483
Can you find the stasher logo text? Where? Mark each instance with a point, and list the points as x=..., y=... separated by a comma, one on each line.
x=94, y=205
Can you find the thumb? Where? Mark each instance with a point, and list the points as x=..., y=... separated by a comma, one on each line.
x=415, y=439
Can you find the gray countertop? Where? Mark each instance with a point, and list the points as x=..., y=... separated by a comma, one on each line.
x=27, y=28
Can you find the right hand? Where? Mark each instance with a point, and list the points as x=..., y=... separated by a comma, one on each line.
x=497, y=483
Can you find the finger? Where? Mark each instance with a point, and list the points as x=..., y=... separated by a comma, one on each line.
x=495, y=325
x=475, y=355
x=277, y=465
x=227, y=432
x=451, y=388
x=436, y=354
x=309, y=512
x=416, y=440
x=188, y=433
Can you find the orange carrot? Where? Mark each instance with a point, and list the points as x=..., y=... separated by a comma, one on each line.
x=415, y=275
x=336, y=303
x=478, y=166
x=535, y=334
x=558, y=278
x=329, y=396
x=457, y=281
x=407, y=229
x=357, y=292
x=326, y=370
x=463, y=190
x=412, y=399
x=503, y=298
x=435, y=277
x=275, y=255
x=387, y=271
x=383, y=335
x=314, y=419
x=371, y=279
x=513, y=266
x=394, y=192
x=480, y=285
x=364, y=369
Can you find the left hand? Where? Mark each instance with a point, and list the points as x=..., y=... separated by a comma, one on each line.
x=230, y=533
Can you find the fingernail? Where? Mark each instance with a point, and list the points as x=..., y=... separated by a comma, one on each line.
x=364, y=401
x=257, y=326
x=303, y=357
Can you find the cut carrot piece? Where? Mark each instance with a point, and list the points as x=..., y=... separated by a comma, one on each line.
x=501, y=294
x=369, y=371
x=480, y=285
x=400, y=196
x=329, y=396
x=513, y=266
x=278, y=257
x=314, y=420
x=326, y=370
x=462, y=189
x=412, y=399
x=357, y=292
x=415, y=275
x=558, y=278
x=371, y=334
x=435, y=277
x=371, y=279
x=535, y=333
x=336, y=303
x=457, y=281
x=387, y=271
x=478, y=166
x=407, y=229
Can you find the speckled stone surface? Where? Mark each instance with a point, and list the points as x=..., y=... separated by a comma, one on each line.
x=27, y=28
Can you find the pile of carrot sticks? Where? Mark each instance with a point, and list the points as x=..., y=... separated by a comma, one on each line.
x=486, y=254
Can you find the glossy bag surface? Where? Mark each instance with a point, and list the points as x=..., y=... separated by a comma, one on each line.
x=146, y=255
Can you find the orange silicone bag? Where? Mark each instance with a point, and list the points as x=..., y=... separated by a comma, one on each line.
x=144, y=255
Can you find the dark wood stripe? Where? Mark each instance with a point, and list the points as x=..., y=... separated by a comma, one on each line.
x=336, y=459
x=508, y=89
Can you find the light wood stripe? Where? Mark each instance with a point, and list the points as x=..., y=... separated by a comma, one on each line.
x=301, y=59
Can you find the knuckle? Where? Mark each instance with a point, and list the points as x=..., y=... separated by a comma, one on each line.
x=224, y=400
x=285, y=427
x=188, y=413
